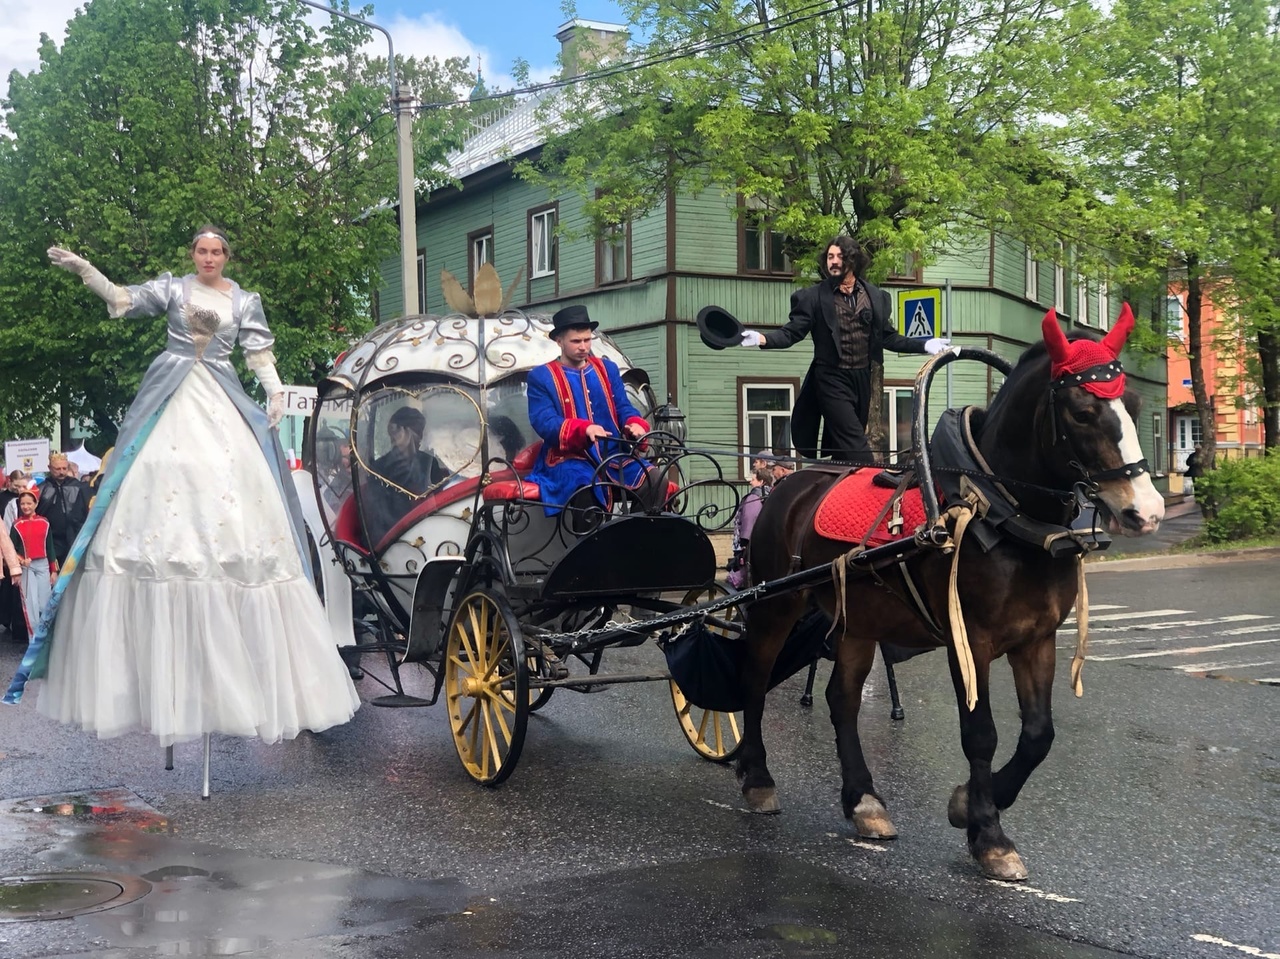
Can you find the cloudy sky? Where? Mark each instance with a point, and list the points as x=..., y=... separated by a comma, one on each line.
x=497, y=31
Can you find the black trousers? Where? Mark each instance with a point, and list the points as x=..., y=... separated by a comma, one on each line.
x=841, y=401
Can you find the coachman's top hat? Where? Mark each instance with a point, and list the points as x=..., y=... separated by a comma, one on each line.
x=718, y=328
x=573, y=317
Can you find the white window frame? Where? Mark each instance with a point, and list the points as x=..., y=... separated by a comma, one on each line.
x=542, y=243
x=1031, y=283
x=1060, y=280
x=892, y=397
x=1157, y=442
x=1104, y=306
x=1082, y=300
x=422, y=281
x=768, y=415
x=613, y=240
x=1178, y=332
x=481, y=252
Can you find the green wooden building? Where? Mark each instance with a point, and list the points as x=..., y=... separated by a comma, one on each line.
x=648, y=279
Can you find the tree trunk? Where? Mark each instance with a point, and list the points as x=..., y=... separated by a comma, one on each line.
x=1195, y=353
x=1269, y=361
x=877, y=434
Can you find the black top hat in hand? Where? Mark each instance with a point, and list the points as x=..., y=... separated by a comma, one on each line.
x=573, y=317
x=718, y=328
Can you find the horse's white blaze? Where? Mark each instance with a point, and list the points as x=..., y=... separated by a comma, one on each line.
x=1147, y=501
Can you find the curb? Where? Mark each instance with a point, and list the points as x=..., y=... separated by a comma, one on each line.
x=1182, y=560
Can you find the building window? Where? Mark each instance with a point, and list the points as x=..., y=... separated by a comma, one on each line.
x=766, y=419
x=1082, y=301
x=542, y=243
x=1031, y=285
x=763, y=248
x=1104, y=305
x=1173, y=318
x=422, y=281
x=1059, y=281
x=613, y=254
x=479, y=252
x=907, y=267
x=898, y=406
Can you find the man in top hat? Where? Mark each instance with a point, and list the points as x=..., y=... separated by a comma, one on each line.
x=852, y=325
x=577, y=404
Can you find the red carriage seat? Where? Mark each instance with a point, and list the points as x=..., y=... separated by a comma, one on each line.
x=509, y=489
x=346, y=526
x=464, y=489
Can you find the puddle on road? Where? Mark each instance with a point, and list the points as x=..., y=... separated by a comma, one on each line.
x=202, y=899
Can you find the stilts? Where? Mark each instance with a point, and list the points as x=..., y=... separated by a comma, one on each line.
x=168, y=764
x=895, y=711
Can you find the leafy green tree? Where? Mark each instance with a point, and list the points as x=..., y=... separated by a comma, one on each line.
x=1184, y=132
x=893, y=122
x=157, y=116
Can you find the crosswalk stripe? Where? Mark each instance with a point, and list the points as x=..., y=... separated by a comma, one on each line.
x=1181, y=624
x=1140, y=614
x=1184, y=652
x=1221, y=667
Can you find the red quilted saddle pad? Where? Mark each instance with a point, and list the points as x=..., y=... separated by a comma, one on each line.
x=851, y=506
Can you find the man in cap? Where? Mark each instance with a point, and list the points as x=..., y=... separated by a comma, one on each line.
x=579, y=407
x=852, y=325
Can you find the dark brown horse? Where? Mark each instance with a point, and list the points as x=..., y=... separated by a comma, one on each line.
x=1052, y=428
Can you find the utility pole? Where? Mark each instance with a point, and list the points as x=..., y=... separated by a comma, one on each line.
x=407, y=197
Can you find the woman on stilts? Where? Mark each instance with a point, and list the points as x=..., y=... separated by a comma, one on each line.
x=186, y=605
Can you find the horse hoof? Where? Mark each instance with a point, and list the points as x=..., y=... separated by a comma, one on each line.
x=762, y=800
x=958, y=807
x=1004, y=866
x=871, y=820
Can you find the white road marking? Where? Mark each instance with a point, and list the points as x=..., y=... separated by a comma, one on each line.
x=874, y=847
x=1184, y=652
x=1033, y=891
x=1181, y=624
x=1247, y=950
x=1219, y=667
x=1245, y=630
x=1141, y=614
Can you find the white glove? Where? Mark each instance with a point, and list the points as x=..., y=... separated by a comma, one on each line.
x=263, y=364
x=117, y=297
x=275, y=409
x=752, y=338
x=936, y=345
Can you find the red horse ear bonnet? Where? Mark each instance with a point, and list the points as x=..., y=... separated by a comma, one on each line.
x=1089, y=364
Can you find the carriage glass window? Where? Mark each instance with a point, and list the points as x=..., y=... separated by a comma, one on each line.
x=542, y=243
x=332, y=453
x=766, y=419
x=413, y=443
x=507, y=413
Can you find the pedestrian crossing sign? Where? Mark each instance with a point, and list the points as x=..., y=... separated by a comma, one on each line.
x=920, y=313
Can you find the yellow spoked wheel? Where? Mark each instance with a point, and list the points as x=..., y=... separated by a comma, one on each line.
x=712, y=734
x=486, y=682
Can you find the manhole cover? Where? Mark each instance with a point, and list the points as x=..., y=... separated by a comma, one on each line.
x=60, y=895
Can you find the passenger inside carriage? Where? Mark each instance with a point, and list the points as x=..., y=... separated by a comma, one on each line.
x=402, y=475
x=579, y=406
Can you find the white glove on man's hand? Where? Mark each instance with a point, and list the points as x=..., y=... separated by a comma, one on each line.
x=752, y=338
x=275, y=409
x=117, y=298
x=936, y=345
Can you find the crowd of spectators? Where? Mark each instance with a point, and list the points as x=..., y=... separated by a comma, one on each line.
x=61, y=499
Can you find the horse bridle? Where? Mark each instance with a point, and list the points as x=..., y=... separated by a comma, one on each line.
x=1103, y=373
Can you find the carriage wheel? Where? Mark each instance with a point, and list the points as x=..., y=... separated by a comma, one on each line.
x=712, y=734
x=486, y=681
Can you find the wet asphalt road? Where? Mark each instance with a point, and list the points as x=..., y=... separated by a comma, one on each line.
x=1153, y=822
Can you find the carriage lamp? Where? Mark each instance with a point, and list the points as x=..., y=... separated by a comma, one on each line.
x=669, y=419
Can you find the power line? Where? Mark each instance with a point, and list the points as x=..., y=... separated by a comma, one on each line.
x=717, y=42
